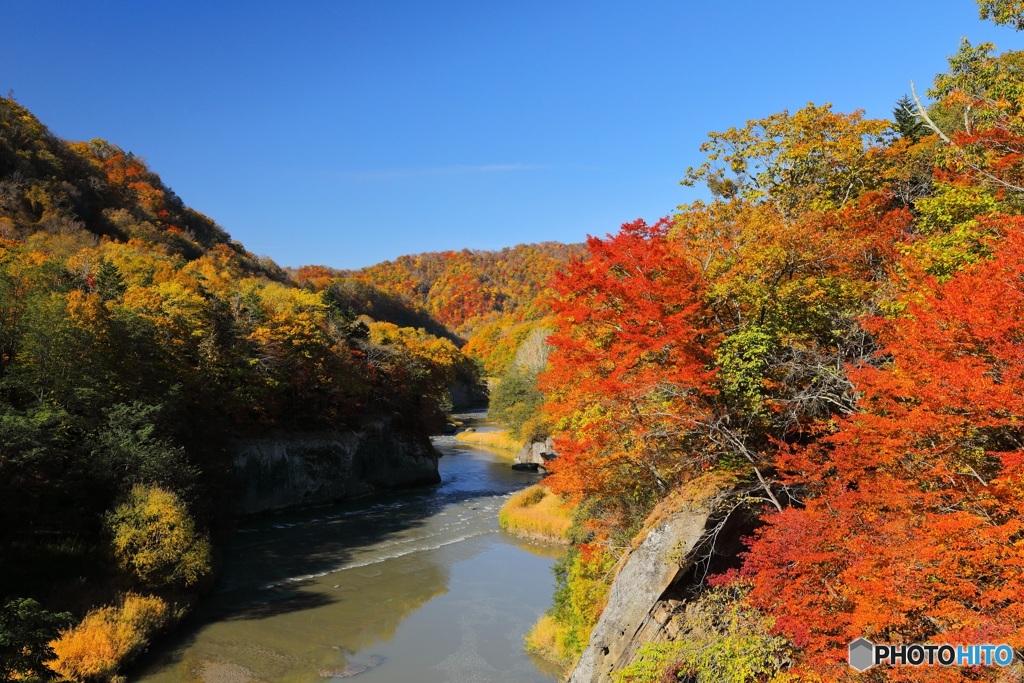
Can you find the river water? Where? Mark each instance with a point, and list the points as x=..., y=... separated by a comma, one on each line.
x=416, y=586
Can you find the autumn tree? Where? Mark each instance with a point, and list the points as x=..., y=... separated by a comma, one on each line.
x=26, y=630
x=911, y=522
x=813, y=159
x=154, y=539
x=1003, y=12
x=630, y=367
x=790, y=261
x=986, y=142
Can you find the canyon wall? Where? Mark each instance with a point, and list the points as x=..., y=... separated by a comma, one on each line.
x=284, y=470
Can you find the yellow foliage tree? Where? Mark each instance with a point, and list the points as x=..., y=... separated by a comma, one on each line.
x=813, y=159
x=155, y=539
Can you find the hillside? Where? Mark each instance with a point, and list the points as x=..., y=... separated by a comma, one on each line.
x=466, y=289
x=136, y=340
x=48, y=185
x=790, y=416
x=488, y=300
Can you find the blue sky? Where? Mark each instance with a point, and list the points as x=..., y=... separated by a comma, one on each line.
x=346, y=133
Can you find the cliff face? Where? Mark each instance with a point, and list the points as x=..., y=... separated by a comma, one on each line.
x=291, y=469
x=650, y=588
x=466, y=396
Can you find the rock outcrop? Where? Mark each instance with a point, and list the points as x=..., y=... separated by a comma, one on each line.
x=465, y=396
x=536, y=453
x=292, y=469
x=649, y=588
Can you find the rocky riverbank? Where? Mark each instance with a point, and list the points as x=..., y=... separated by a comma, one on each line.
x=292, y=469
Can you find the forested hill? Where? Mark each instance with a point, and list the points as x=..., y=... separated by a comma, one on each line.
x=135, y=338
x=491, y=300
x=52, y=186
x=464, y=289
x=90, y=230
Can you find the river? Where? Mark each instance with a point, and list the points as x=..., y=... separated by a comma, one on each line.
x=416, y=586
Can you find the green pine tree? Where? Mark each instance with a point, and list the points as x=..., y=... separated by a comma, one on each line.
x=109, y=281
x=908, y=122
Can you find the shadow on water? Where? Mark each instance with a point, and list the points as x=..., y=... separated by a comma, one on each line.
x=304, y=591
x=290, y=547
x=290, y=601
x=313, y=628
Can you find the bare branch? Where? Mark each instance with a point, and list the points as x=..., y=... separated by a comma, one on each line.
x=927, y=119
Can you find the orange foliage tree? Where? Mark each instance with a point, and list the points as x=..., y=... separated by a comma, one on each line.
x=631, y=365
x=987, y=91
x=911, y=528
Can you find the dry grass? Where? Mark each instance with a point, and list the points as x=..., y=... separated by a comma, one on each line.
x=696, y=494
x=537, y=513
x=499, y=439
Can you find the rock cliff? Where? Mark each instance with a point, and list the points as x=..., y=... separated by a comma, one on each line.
x=291, y=469
x=650, y=588
x=465, y=396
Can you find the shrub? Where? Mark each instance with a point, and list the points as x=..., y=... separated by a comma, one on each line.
x=108, y=637
x=544, y=637
x=537, y=428
x=584, y=578
x=155, y=539
x=722, y=639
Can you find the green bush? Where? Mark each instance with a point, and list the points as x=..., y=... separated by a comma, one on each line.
x=516, y=400
x=26, y=630
x=129, y=444
x=583, y=577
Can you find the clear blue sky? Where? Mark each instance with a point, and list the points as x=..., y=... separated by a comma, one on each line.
x=349, y=132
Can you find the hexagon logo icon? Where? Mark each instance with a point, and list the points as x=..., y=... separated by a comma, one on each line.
x=862, y=654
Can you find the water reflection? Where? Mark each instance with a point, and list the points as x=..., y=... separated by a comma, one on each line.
x=308, y=632
x=414, y=586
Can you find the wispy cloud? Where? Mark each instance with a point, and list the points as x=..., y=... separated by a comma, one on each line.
x=435, y=171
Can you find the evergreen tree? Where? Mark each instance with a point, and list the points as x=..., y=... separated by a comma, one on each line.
x=109, y=281
x=908, y=123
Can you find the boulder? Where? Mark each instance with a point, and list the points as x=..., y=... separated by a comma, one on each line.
x=536, y=453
